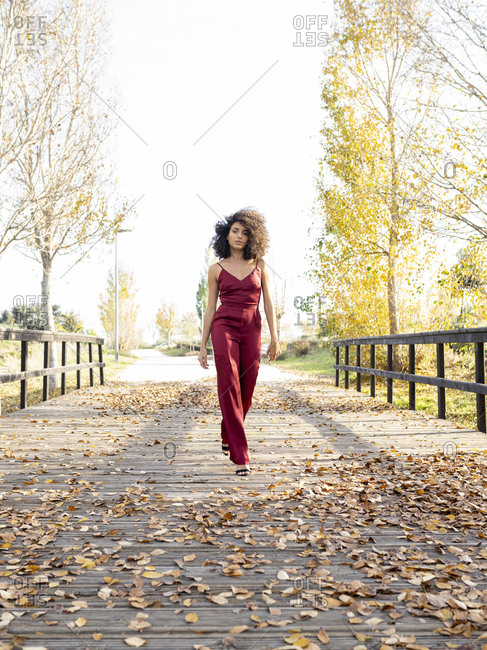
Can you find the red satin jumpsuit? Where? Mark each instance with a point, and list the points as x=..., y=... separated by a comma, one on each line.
x=235, y=335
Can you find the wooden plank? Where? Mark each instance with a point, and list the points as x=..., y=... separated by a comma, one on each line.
x=412, y=371
x=389, y=379
x=106, y=483
x=359, y=383
x=101, y=365
x=24, y=357
x=90, y=359
x=78, y=362
x=45, y=380
x=43, y=335
x=463, y=335
x=337, y=372
x=480, y=379
x=372, y=367
x=467, y=386
x=63, y=364
x=43, y=372
x=440, y=372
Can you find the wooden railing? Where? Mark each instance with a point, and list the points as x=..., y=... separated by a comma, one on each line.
x=73, y=341
x=477, y=336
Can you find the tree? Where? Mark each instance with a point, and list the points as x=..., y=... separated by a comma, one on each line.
x=65, y=173
x=21, y=125
x=454, y=43
x=464, y=288
x=67, y=321
x=370, y=218
x=129, y=335
x=202, y=291
x=166, y=320
x=279, y=306
x=189, y=327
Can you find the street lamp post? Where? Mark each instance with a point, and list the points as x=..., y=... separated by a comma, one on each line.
x=116, y=291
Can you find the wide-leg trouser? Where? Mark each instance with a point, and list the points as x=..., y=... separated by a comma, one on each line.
x=236, y=337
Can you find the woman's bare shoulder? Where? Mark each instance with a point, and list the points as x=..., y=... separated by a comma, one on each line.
x=214, y=270
x=261, y=263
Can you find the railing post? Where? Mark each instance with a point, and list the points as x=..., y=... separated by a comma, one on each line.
x=480, y=379
x=63, y=363
x=24, y=358
x=372, y=366
x=347, y=360
x=359, y=376
x=90, y=359
x=78, y=360
x=412, y=371
x=389, y=367
x=440, y=372
x=45, y=379
x=337, y=373
x=100, y=359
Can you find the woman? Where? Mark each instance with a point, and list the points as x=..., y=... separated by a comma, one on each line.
x=240, y=241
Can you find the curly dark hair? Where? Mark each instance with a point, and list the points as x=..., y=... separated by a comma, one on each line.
x=254, y=221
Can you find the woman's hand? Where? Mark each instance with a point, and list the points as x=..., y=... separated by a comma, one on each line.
x=274, y=350
x=202, y=358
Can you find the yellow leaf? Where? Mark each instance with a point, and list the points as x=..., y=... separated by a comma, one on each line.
x=152, y=574
x=80, y=621
x=191, y=618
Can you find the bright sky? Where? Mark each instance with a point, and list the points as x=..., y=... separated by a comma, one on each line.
x=221, y=89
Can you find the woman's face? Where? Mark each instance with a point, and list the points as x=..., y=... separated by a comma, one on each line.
x=238, y=236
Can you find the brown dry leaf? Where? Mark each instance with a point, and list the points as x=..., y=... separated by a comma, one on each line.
x=137, y=625
x=218, y=600
x=323, y=636
x=375, y=620
x=237, y=629
x=135, y=641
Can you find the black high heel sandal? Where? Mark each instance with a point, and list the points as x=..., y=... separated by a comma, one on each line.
x=225, y=450
x=245, y=471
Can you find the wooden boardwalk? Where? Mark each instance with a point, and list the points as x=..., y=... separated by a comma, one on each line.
x=123, y=525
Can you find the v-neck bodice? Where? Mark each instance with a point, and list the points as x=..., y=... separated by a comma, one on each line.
x=240, y=294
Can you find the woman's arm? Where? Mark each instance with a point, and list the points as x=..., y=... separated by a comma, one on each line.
x=274, y=350
x=209, y=313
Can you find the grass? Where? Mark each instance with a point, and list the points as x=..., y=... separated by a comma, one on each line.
x=460, y=406
x=318, y=362
x=178, y=352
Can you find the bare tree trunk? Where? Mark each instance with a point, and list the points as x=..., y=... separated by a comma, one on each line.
x=46, y=306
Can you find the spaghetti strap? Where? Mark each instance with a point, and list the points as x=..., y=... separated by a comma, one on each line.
x=219, y=264
x=256, y=262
